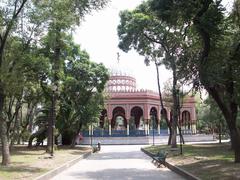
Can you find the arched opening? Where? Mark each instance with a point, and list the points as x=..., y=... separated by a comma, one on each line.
x=119, y=121
x=136, y=121
x=186, y=120
x=153, y=118
x=119, y=124
x=163, y=123
x=102, y=118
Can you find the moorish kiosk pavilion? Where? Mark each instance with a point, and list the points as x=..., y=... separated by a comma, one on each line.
x=136, y=112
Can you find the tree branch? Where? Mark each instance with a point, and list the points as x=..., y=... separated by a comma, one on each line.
x=9, y=27
x=156, y=41
x=203, y=33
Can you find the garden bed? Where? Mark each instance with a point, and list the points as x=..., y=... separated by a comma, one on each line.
x=206, y=161
x=30, y=163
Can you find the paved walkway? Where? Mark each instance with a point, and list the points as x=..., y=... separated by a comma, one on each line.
x=117, y=162
x=145, y=139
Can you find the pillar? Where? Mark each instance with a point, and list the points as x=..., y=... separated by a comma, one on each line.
x=158, y=128
x=183, y=129
x=194, y=130
x=148, y=128
x=145, y=127
x=89, y=130
x=110, y=129
x=128, y=128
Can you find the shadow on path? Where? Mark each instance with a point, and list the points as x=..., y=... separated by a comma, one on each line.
x=113, y=174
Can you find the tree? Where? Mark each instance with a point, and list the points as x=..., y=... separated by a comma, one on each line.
x=211, y=52
x=211, y=119
x=63, y=16
x=142, y=30
x=82, y=98
x=23, y=24
x=10, y=11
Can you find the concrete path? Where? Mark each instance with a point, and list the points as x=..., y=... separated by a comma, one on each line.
x=117, y=162
x=145, y=139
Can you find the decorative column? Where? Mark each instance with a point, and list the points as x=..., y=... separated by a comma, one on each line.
x=128, y=117
x=89, y=130
x=148, y=127
x=110, y=129
x=183, y=128
x=146, y=117
x=109, y=117
x=128, y=127
x=194, y=128
x=158, y=128
x=145, y=127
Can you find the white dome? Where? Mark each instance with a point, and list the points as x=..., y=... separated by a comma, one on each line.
x=119, y=69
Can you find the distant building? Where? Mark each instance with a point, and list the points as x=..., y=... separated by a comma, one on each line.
x=133, y=111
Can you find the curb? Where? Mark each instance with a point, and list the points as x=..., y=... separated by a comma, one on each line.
x=58, y=170
x=176, y=169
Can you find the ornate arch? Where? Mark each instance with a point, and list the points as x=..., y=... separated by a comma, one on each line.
x=136, y=113
x=186, y=119
x=118, y=111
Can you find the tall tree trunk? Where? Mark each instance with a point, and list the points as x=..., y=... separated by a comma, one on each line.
x=56, y=69
x=31, y=110
x=220, y=132
x=16, y=133
x=235, y=133
x=162, y=105
x=5, y=143
x=50, y=132
x=175, y=108
x=76, y=135
x=3, y=133
x=179, y=125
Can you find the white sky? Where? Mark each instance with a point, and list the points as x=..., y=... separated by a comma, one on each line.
x=98, y=36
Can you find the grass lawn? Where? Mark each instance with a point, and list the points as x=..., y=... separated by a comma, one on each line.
x=206, y=161
x=30, y=163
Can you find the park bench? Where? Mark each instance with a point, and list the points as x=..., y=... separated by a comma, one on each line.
x=96, y=147
x=159, y=158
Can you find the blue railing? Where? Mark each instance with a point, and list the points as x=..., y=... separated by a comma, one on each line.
x=123, y=133
x=137, y=133
x=119, y=133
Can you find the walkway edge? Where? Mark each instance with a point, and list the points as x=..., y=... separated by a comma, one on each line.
x=176, y=169
x=63, y=167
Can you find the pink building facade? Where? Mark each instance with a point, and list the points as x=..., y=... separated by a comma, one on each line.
x=128, y=108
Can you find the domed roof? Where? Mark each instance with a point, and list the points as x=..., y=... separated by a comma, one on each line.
x=120, y=79
x=118, y=69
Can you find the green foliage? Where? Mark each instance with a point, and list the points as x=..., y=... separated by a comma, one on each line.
x=139, y=30
x=82, y=99
x=210, y=53
x=156, y=39
x=210, y=118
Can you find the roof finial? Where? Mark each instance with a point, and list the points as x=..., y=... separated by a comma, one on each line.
x=118, y=57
